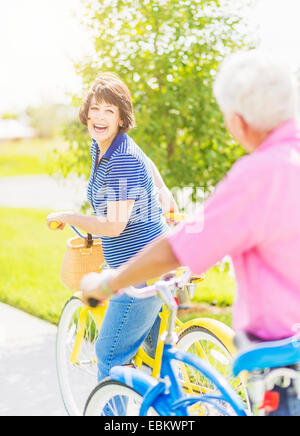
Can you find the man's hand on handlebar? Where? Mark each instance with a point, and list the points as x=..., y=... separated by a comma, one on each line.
x=95, y=289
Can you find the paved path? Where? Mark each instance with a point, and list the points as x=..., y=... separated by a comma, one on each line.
x=27, y=366
x=42, y=192
x=28, y=382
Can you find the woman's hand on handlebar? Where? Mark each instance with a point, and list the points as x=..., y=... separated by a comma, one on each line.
x=57, y=220
x=174, y=218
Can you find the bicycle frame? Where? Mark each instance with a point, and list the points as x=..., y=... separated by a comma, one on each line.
x=167, y=395
x=141, y=357
x=223, y=332
x=98, y=315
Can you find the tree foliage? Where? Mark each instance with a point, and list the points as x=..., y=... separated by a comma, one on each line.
x=167, y=52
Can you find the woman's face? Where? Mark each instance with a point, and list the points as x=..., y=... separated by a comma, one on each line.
x=103, y=122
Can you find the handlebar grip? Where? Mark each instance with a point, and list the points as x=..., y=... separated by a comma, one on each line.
x=54, y=225
x=176, y=217
x=93, y=302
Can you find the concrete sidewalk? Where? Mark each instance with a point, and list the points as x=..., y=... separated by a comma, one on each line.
x=28, y=379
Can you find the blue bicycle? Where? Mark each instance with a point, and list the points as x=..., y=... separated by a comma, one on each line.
x=129, y=392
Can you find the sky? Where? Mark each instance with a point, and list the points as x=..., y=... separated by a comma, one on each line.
x=279, y=28
x=40, y=39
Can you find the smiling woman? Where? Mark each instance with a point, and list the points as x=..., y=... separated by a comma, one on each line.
x=111, y=95
x=104, y=122
x=123, y=191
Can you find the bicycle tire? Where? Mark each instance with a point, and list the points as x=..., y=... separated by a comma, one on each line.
x=75, y=380
x=100, y=400
x=217, y=355
x=74, y=394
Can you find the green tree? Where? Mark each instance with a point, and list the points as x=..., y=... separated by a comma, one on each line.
x=167, y=52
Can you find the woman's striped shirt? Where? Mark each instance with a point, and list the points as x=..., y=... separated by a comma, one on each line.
x=124, y=173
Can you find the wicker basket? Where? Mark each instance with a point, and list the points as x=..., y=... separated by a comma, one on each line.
x=82, y=257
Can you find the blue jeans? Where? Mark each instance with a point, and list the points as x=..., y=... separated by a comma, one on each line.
x=289, y=403
x=127, y=323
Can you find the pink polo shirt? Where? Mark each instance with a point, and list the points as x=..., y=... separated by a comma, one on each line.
x=254, y=216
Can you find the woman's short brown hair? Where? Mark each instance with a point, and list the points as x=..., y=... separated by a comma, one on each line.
x=108, y=87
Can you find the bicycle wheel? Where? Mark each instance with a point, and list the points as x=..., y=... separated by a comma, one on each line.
x=113, y=398
x=77, y=374
x=202, y=343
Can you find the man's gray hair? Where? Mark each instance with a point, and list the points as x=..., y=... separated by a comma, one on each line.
x=260, y=89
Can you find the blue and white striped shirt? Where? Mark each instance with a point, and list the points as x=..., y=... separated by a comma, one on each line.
x=124, y=173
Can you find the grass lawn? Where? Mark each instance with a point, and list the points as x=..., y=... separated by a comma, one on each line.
x=30, y=259
x=218, y=288
x=27, y=157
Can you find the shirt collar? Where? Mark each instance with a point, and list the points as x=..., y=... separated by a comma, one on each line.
x=114, y=145
x=287, y=131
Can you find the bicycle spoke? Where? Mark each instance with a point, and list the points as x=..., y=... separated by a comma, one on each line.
x=76, y=359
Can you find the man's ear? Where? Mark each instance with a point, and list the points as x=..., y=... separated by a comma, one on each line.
x=240, y=124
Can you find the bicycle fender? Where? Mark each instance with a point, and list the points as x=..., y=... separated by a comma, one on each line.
x=145, y=385
x=133, y=378
x=219, y=329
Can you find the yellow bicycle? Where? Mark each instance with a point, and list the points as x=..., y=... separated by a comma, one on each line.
x=77, y=363
x=78, y=332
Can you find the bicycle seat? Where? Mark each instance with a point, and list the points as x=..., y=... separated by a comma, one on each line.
x=257, y=355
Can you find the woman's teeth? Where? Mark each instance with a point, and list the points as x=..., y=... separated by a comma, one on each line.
x=99, y=128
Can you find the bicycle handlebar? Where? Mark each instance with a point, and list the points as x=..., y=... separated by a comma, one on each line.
x=151, y=291
x=75, y=230
x=160, y=288
x=55, y=224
